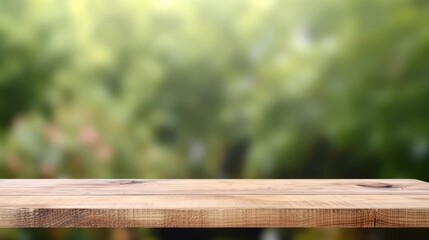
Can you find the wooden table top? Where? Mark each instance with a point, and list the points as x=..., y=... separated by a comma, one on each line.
x=202, y=203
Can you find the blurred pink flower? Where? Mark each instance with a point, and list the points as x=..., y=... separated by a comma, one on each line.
x=89, y=135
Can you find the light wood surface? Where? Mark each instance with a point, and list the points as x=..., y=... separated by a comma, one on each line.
x=214, y=203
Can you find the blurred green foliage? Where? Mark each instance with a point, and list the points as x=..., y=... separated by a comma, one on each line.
x=208, y=89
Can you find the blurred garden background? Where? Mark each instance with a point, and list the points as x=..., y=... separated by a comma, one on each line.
x=214, y=89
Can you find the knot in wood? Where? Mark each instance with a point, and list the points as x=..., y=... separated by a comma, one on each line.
x=375, y=185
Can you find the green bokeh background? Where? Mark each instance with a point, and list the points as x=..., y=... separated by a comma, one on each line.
x=214, y=89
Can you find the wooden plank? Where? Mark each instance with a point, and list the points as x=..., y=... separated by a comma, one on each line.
x=211, y=186
x=214, y=203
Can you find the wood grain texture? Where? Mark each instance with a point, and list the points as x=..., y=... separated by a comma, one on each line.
x=214, y=203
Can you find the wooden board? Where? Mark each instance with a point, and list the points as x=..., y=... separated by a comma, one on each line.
x=214, y=203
